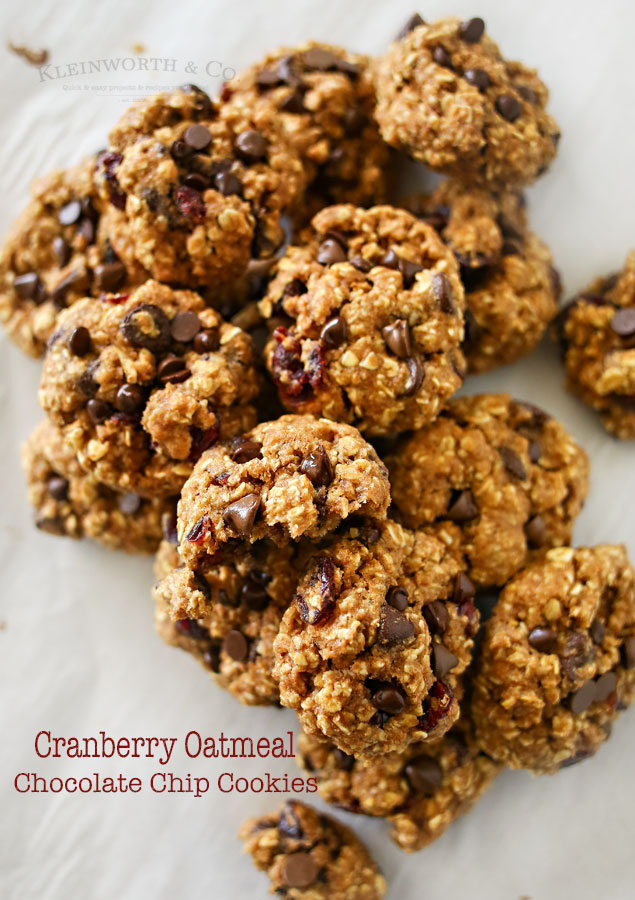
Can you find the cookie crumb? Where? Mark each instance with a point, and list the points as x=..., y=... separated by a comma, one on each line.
x=33, y=57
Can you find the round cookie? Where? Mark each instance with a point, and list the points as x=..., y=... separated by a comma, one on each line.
x=291, y=478
x=354, y=655
x=56, y=252
x=421, y=790
x=511, y=286
x=446, y=96
x=324, y=98
x=557, y=660
x=227, y=615
x=142, y=383
x=597, y=334
x=194, y=189
x=70, y=503
x=372, y=309
x=504, y=471
x=309, y=856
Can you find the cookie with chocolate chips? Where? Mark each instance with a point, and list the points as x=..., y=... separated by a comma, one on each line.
x=372, y=650
x=597, y=335
x=506, y=473
x=446, y=96
x=142, y=383
x=557, y=660
x=56, y=252
x=367, y=320
x=308, y=856
x=420, y=791
x=227, y=615
x=511, y=286
x=194, y=189
x=324, y=98
x=291, y=478
x=68, y=502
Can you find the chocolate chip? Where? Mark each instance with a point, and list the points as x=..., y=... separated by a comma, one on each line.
x=527, y=93
x=130, y=399
x=437, y=616
x=583, y=698
x=318, y=467
x=77, y=280
x=361, y=264
x=61, y=251
x=605, y=686
x=597, y=631
x=464, y=508
x=354, y=122
x=227, y=184
x=70, y=213
x=534, y=450
x=245, y=450
x=319, y=58
x=334, y=333
x=389, y=699
x=628, y=653
x=413, y=22
x=235, y=646
x=579, y=757
x=397, y=338
x=424, y=775
x=26, y=285
x=472, y=30
x=110, y=276
x=172, y=370
x=185, y=326
x=207, y=341
x=390, y=260
x=513, y=463
x=168, y=527
x=79, y=342
x=179, y=150
x=443, y=293
x=330, y=252
x=344, y=761
x=397, y=597
x=623, y=322
x=251, y=146
x=288, y=822
x=509, y=107
x=148, y=327
x=87, y=230
x=477, y=77
x=197, y=137
x=197, y=182
x=463, y=589
x=253, y=592
x=444, y=661
x=415, y=376
x=58, y=487
x=299, y=870
x=543, y=640
x=241, y=514
x=536, y=531
x=394, y=627
x=408, y=271
x=129, y=504
x=267, y=78
x=293, y=103
x=98, y=411
x=441, y=57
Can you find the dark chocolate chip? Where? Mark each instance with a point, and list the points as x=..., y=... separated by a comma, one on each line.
x=597, y=631
x=319, y=58
x=413, y=22
x=179, y=150
x=444, y=660
x=463, y=589
x=543, y=640
x=110, y=276
x=472, y=30
x=197, y=137
x=397, y=338
x=227, y=184
x=534, y=450
x=415, y=376
x=527, y=93
x=443, y=293
x=172, y=370
x=408, y=271
x=464, y=508
x=330, y=252
x=354, y=122
x=235, y=646
x=441, y=57
x=57, y=487
x=98, y=411
x=509, y=107
x=394, y=627
x=288, y=822
x=623, y=322
x=294, y=102
x=397, y=597
x=185, y=326
x=147, y=326
x=245, y=450
x=79, y=342
x=168, y=527
x=389, y=699
x=344, y=761
x=583, y=698
x=61, y=251
x=197, y=182
x=130, y=399
x=129, y=504
x=536, y=531
x=477, y=77
x=361, y=264
x=251, y=146
x=390, y=260
x=628, y=653
x=334, y=333
x=26, y=285
x=70, y=213
x=437, y=616
x=299, y=870
x=241, y=514
x=605, y=687
x=424, y=775
x=513, y=463
x=207, y=341
x=318, y=467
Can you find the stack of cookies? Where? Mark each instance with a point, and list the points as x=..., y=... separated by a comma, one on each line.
x=251, y=348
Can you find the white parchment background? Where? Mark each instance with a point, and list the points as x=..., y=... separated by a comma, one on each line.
x=77, y=649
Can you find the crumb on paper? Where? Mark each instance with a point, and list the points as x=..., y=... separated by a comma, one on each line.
x=33, y=57
x=3, y=625
x=138, y=48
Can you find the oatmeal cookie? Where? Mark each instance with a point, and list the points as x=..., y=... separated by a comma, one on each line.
x=142, y=383
x=324, y=98
x=597, y=333
x=70, y=503
x=56, y=252
x=421, y=790
x=557, y=660
x=511, y=285
x=354, y=655
x=308, y=856
x=194, y=188
x=447, y=97
x=227, y=615
x=373, y=311
x=504, y=471
x=291, y=478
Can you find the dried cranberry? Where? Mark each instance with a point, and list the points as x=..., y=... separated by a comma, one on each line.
x=323, y=579
x=190, y=203
x=110, y=163
x=296, y=379
x=200, y=530
x=436, y=706
x=202, y=440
